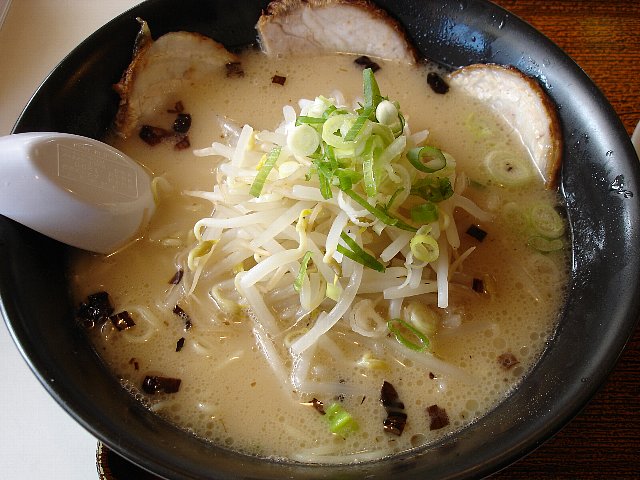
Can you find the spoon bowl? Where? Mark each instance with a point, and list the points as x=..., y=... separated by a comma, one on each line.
x=74, y=189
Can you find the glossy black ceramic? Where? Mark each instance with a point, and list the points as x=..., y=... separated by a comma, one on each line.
x=596, y=321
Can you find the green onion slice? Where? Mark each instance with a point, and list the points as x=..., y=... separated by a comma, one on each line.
x=545, y=245
x=357, y=254
x=383, y=132
x=309, y=120
x=359, y=123
x=393, y=197
x=546, y=220
x=263, y=173
x=340, y=421
x=507, y=169
x=400, y=329
x=346, y=178
x=371, y=89
x=379, y=213
x=432, y=189
x=297, y=285
x=423, y=246
x=325, y=186
x=368, y=171
x=427, y=159
x=424, y=213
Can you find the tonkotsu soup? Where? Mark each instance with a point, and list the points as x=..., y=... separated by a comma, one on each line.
x=268, y=310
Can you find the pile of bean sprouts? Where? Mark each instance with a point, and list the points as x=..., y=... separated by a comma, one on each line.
x=285, y=246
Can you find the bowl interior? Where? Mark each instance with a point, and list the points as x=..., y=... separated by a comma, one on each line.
x=598, y=317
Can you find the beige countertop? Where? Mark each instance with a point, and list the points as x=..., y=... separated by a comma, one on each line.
x=38, y=439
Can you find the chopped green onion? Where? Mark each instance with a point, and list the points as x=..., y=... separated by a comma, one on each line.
x=347, y=178
x=357, y=126
x=423, y=246
x=424, y=213
x=427, y=159
x=340, y=421
x=393, y=197
x=368, y=171
x=545, y=245
x=379, y=213
x=332, y=109
x=325, y=187
x=399, y=327
x=303, y=120
x=371, y=89
x=546, y=220
x=403, y=122
x=263, y=173
x=432, y=189
x=303, y=140
x=384, y=132
x=357, y=254
x=387, y=114
x=297, y=285
x=336, y=128
x=507, y=169
x=325, y=171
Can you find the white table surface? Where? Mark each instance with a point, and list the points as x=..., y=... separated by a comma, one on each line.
x=39, y=440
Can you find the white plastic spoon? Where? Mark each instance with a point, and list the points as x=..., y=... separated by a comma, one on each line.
x=74, y=189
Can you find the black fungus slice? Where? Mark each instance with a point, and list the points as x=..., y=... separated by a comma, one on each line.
x=437, y=83
x=156, y=384
x=180, y=344
x=508, y=360
x=389, y=397
x=438, y=417
x=153, y=135
x=395, y=422
x=366, y=62
x=476, y=232
x=95, y=310
x=318, y=406
x=122, y=320
x=183, y=315
x=182, y=123
x=234, y=69
x=177, y=277
x=279, y=79
x=396, y=417
x=478, y=285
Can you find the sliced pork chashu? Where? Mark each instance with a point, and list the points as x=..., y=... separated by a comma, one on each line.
x=319, y=26
x=525, y=107
x=160, y=68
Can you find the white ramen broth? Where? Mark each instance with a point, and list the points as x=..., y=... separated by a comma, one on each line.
x=481, y=345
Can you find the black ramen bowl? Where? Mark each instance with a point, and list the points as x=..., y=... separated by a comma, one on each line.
x=596, y=320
